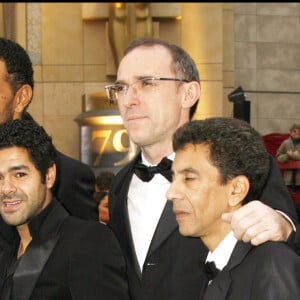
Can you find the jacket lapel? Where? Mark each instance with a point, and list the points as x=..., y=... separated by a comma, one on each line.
x=30, y=266
x=218, y=288
x=166, y=225
x=239, y=252
x=37, y=253
x=120, y=213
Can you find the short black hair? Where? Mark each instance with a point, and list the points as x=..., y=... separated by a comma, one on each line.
x=99, y=196
x=33, y=137
x=104, y=179
x=236, y=148
x=18, y=64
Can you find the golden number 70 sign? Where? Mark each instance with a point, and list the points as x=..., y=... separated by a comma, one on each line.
x=109, y=141
x=104, y=141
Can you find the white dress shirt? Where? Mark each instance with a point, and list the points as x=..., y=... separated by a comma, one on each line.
x=146, y=201
x=222, y=253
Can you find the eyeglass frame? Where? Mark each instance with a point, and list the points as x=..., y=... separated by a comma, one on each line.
x=127, y=86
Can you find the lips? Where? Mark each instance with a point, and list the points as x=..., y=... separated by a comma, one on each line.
x=10, y=206
x=180, y=214
x=134, y=118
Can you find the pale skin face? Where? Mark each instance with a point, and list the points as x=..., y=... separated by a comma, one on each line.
x=22, y=193
x=198, y=197
x=152, y=119
x=12, y=105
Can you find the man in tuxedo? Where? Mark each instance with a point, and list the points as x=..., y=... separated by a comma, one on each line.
x=76, y=181
x=48, y=254
x=157, y=91
x=220, y=165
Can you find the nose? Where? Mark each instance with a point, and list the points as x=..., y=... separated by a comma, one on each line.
x=7, y=187
x=172, y=192
x=131, y=97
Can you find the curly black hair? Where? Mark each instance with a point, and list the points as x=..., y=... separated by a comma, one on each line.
x=236, y=148
x=18, y=64
x=33, y=137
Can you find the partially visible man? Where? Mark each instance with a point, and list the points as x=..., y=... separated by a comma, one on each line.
x=157, y=91
x=49, y=254
x=289, y=149
x=220, y=165
x=103, y=182
x=75, y=181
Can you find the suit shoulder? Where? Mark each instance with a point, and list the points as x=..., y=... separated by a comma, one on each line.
x=75, y=226
x=124, y=171
x=275, y=251
x=90, y=240
x=65, y=159
x=69, y=165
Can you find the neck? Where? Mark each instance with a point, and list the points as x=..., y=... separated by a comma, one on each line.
x=155, y=154
x=25, y=238
x=213, y=240
x=162, y=147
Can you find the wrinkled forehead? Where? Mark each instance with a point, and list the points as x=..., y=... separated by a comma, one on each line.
x=145, y=61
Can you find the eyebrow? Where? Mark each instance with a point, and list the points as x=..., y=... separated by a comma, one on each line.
x=187, y=170
x=135, y=79
x=19, y=167
x=16, y=168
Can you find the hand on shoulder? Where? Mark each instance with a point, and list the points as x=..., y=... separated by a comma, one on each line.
x=257, y=223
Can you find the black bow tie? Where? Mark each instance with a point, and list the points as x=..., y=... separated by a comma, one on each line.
x=211, y=270
x=146, y=173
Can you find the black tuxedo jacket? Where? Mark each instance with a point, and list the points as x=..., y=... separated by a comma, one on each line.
x=75, y=186
x=266, y=272
x=173, y=266
x=68, y=258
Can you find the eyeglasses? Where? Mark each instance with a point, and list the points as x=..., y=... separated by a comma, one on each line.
x=144, y=85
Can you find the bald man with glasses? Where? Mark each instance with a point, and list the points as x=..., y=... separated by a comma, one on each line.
x=157, y=91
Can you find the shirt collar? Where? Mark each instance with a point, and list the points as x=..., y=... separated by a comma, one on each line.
x=145, y=162
x=223, y=251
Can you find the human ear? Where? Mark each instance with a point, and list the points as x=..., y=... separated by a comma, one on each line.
x=23, y=98
x=192, y=94
x=240, y=188
x=50, y=176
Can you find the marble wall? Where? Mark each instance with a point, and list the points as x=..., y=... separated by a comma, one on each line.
x=267, y=62
x=249, y=44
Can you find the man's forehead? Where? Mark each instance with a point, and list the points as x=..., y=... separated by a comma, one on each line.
x=144, y=61
x=3, y=70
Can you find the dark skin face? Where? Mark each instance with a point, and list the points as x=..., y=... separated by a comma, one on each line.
x=103, y=210
x=22, y=193
x=199, y=198
x=12, y=104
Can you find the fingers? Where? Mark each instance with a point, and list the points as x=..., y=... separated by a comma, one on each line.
x=256, y=234
x=244, y=223
x=227, y=217
x=265, y=236
x=257, y=223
